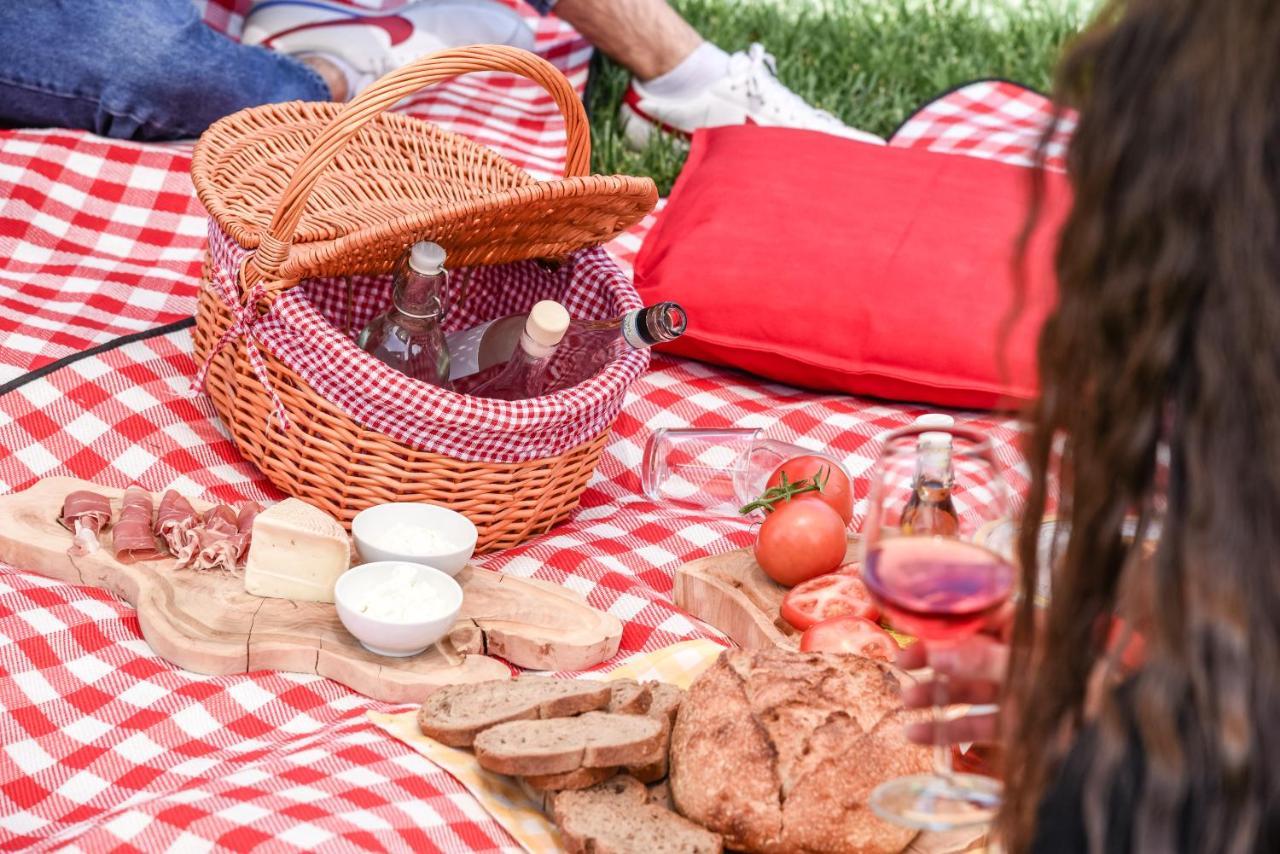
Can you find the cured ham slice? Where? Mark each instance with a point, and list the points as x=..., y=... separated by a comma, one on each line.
x=175, y=524
x=86, y=515
x=134, y=537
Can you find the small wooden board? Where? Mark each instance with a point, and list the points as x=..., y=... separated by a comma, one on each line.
x=206, y=622
x=731, y=592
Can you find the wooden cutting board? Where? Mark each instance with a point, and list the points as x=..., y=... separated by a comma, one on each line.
x=732, y=593
x=206, y=622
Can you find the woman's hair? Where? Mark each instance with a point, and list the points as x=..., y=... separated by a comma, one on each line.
x=1160, y=401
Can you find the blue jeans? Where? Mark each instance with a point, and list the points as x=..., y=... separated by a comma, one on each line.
x=133, y=69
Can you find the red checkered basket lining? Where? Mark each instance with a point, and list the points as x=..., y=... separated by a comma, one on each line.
x=302, y=330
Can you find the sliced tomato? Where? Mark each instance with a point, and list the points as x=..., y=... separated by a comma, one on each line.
x=850, y=634
x=836, y=595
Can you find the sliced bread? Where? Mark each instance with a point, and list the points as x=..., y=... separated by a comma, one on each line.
x=666, y=699
x=615, y=817
x=560, y=745
x=455, y=714
x=630, y=697
x=580, y=778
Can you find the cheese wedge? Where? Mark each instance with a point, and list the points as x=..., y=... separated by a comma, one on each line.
x=297, y=552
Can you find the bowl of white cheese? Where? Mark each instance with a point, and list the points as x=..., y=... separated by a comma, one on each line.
x=416, y=533
x=396, y=608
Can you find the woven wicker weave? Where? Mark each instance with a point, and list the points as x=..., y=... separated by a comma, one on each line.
x=322, y=190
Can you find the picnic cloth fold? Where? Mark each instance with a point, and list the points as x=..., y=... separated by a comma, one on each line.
x=103, y=744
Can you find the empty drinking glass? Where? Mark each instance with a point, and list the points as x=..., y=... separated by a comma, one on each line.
x=716, y=471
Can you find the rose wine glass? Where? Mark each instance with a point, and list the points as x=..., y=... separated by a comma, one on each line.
x=934, y=490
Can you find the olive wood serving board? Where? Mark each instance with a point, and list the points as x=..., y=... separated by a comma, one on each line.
x=731, y=592
x=207, y=623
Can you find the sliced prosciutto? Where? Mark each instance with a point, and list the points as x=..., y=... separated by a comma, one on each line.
x=134, y=538
x=175, y=525
x=86, y=515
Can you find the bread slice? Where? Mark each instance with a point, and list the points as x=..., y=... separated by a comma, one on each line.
x=615, y=817
x=666, y=700
x=630, y=697
x=660, y=795
x=455, y=714
x=581, y=778
x=655, y=769
x=560, y=745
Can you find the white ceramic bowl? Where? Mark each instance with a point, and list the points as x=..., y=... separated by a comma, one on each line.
x=371, y=525
x=392, y=637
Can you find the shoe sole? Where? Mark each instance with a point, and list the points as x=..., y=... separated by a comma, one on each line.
x=637, y=129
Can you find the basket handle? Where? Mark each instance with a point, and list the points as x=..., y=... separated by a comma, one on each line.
x=386, y=92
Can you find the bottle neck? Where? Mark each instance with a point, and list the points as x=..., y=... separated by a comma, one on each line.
x=933, y=464
x=533, y=351
x=421, y=296
x=655, y=324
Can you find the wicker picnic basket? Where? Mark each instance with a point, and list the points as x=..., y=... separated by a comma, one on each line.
x=307, y=199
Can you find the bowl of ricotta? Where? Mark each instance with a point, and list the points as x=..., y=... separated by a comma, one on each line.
x=396, y=608
x=416, y=533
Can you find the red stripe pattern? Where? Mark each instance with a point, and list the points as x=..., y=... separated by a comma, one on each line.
x=103, y=745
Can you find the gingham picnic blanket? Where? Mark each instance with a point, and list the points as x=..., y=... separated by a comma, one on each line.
x=104, y=745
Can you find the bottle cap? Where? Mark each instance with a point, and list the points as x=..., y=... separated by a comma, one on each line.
x=934, y=440
x=427, y=257
x=547, y=323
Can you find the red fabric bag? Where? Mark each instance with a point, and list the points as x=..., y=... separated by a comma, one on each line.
x=837, y=265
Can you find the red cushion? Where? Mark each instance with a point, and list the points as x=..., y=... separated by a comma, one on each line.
x=838, y=265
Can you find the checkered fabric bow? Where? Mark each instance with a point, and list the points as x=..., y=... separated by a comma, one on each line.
x=246, y=318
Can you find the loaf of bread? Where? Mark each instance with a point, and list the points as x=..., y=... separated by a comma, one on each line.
x=777, y=751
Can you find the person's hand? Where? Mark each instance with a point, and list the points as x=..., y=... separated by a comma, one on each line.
x=975, y=670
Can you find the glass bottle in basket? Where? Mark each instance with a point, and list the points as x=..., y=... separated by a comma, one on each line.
x=408, y=336
x=587, y=347
x=525, y=373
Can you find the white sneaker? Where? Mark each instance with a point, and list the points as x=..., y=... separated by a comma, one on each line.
x=750, y=93
x=373, y=43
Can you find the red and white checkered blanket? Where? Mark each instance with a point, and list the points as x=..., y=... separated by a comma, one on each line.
x=105, y=745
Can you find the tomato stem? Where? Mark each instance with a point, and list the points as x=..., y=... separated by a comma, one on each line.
x=787, y=490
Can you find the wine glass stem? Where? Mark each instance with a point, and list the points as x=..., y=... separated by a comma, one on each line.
x=942, y=760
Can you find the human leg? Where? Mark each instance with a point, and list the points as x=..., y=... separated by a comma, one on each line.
x=682, y=82
x=140, y=69
x=646, y=37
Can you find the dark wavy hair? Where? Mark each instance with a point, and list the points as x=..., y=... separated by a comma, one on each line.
x=1165, y=344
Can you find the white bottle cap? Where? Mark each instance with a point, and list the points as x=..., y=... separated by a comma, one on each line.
x=547, y=323
x=934, y=419
x=427, y=258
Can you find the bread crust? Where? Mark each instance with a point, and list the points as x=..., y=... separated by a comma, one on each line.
x=778, y=751
x=456, y=714
x=591, y=740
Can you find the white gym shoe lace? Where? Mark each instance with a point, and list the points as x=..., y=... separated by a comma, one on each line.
x=755, y=72
x=748, y=93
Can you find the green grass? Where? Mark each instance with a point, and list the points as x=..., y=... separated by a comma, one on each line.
x=871, y=62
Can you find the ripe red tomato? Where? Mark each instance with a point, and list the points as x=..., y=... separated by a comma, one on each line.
x=828, y=596
x=850, y=634
x=838, y=493
x=801, y=539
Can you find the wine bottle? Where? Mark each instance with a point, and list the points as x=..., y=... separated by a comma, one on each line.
x=587, y=347
x=930, y=510
x=525, y=373
x=408, y=336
